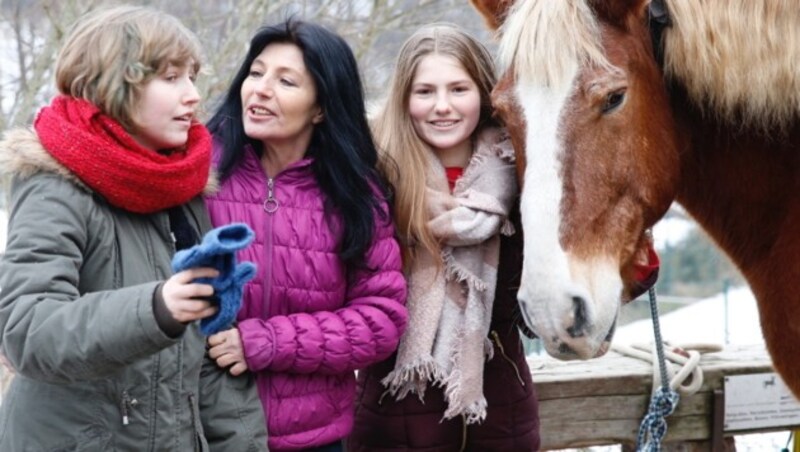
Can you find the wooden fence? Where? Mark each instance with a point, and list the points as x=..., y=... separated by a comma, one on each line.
x=602, y=401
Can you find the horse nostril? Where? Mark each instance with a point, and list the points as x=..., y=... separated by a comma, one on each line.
x=578, y=328
x=566, y=350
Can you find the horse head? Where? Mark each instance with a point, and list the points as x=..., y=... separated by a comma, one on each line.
x=587, y=109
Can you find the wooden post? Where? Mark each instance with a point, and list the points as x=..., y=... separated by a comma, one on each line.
x=717, y=430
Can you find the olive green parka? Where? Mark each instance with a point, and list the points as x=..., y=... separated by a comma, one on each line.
x=94, y=371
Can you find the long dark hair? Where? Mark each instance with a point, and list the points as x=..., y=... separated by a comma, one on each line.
x=344, y=153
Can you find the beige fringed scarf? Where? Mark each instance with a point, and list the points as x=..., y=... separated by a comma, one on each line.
x=446, y=341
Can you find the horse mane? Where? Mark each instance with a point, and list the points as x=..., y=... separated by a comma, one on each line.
x=545, y=41
x=739, y=60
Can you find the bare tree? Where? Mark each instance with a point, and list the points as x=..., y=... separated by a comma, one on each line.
x=33, y=30
x=32, y=33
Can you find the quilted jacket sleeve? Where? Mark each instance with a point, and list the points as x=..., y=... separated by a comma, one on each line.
x=364, y=331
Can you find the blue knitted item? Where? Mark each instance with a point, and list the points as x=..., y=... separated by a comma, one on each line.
x=218, y=250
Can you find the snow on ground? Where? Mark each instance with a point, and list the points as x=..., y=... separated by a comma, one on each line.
x=712, y=320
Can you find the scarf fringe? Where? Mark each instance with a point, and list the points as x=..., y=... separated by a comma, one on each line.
x=413, y=377
x=455, y=392
x=473, y=412
x=456, y=272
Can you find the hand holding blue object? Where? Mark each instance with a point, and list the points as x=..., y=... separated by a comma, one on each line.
x=218, y=250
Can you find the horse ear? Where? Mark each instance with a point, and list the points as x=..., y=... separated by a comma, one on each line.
x=493, y=11
x=618, y=11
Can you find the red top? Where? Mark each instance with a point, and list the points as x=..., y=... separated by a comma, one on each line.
x=453, y=174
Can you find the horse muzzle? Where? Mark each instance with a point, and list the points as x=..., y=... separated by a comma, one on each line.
x=572, y=321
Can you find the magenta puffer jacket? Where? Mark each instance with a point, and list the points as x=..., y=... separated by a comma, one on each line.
x=307, y=321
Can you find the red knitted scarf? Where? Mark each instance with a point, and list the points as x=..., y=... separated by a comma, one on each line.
x=102, y=154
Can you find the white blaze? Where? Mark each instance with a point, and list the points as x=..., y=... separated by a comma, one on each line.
x=542, y=285
x=551, y=277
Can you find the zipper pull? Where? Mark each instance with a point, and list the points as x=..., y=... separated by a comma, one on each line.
x=271, y=204
x=496, y=339
x=124, y=406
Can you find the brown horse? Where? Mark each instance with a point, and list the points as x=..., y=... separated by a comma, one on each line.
x=610, y=129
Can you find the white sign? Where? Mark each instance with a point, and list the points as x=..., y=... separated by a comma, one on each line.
x=758, y=401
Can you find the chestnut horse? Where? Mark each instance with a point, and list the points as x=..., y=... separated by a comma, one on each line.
x=614, y=117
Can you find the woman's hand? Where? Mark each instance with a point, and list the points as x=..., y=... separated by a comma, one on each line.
x=187, y=301
x=227, y=350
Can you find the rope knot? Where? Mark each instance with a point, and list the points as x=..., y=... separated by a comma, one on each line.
x=654, y=427
x=665, y=401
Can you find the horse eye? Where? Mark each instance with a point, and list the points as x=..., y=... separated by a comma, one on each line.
x=613, y=100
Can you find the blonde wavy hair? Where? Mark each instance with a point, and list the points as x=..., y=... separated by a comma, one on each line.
x=403, y=155
x=110, y=54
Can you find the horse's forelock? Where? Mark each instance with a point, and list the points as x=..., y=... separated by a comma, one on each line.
x=544, y=40
x=738, y=60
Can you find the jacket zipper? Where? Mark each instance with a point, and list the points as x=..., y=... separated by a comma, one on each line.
x=271, y=204
x=266, y=309
x=196, y=435
x=496, y=339
x=126, y=406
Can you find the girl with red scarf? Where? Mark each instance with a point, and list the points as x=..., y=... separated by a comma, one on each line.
x=102, y=337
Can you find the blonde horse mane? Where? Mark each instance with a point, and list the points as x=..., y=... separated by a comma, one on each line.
x=737, y=59
x=546, y=40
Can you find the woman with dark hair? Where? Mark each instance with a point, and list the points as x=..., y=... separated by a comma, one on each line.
x=297, y=163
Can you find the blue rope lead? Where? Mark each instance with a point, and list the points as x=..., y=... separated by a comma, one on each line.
x=654, y=427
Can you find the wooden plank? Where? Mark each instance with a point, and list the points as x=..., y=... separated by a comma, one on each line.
x=602, y=401
x=616, y=407
x=605, y=432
